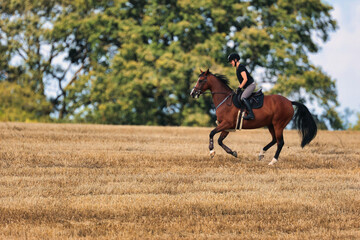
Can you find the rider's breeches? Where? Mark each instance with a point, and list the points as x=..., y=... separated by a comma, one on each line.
x=247, y=92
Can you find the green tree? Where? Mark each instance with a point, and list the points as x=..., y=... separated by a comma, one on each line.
x=164, y=43
x=149, y=78
x=46, y=43
x=21, y=85
x=21, y=104
x=134, y=62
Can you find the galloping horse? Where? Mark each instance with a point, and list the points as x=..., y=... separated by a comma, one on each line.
x=276, y=112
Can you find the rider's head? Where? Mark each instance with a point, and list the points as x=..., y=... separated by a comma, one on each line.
x=233, y=58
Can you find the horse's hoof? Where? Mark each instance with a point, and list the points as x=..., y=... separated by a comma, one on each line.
x=234, y=153
x=212, y=153
x=261, y=154
x=273, y=161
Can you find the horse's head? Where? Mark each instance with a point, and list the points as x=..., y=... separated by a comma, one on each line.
x=201, y=84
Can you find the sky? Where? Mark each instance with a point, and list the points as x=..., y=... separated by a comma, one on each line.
x=339, y=57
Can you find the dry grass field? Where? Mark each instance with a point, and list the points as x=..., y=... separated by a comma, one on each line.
x=64, y=181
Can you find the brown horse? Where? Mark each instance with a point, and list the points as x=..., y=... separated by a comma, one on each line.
x=276, y=112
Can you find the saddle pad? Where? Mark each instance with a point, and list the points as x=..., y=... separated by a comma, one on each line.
x=256, y=100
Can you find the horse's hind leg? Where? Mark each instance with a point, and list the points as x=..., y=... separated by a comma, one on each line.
x=280, y=144
x=272, y=143
x=223, y=135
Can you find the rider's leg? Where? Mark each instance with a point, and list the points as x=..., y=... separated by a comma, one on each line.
x=247, y=92
x=250, y=114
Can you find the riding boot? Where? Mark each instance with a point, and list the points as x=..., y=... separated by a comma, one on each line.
x=238, y=95
x=250, y=115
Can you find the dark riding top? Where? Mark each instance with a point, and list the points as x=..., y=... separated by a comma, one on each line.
x=239, y=70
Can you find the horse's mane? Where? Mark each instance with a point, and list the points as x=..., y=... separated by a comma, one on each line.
x=222, y=79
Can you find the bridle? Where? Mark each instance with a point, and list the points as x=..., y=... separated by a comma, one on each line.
x=198, y=91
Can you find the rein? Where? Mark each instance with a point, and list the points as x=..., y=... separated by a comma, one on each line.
x=223, y=101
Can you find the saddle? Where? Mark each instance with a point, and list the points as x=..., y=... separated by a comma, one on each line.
x=256, y=100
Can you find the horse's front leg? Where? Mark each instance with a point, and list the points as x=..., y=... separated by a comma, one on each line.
x=223, y=135
x=211, y=142
x=223, y=126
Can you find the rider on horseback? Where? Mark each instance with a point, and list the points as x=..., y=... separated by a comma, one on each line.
x=246, y=82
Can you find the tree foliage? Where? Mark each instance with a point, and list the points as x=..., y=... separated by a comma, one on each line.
x=357, y=124
x=134, y=62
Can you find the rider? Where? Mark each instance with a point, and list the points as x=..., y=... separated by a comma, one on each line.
x=246, y=82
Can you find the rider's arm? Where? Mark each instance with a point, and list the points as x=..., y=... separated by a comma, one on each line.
x=243, y=74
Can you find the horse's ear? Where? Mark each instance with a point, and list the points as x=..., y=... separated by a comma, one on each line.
x=201, y=71
x=207, y=72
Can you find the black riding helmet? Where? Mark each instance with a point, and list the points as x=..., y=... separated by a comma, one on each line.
x=233, y=56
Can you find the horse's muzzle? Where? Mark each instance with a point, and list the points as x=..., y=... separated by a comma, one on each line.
x=195, y=93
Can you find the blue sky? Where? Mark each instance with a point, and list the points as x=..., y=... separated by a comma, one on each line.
x=339, y=57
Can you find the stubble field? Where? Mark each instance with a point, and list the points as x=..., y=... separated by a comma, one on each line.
x=63, y=181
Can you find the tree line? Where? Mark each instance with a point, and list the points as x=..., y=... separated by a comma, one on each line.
x=134, y=62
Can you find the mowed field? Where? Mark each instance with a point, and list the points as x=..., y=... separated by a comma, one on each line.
x=65, y=181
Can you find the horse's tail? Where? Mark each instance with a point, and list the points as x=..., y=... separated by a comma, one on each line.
x=305, y=122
